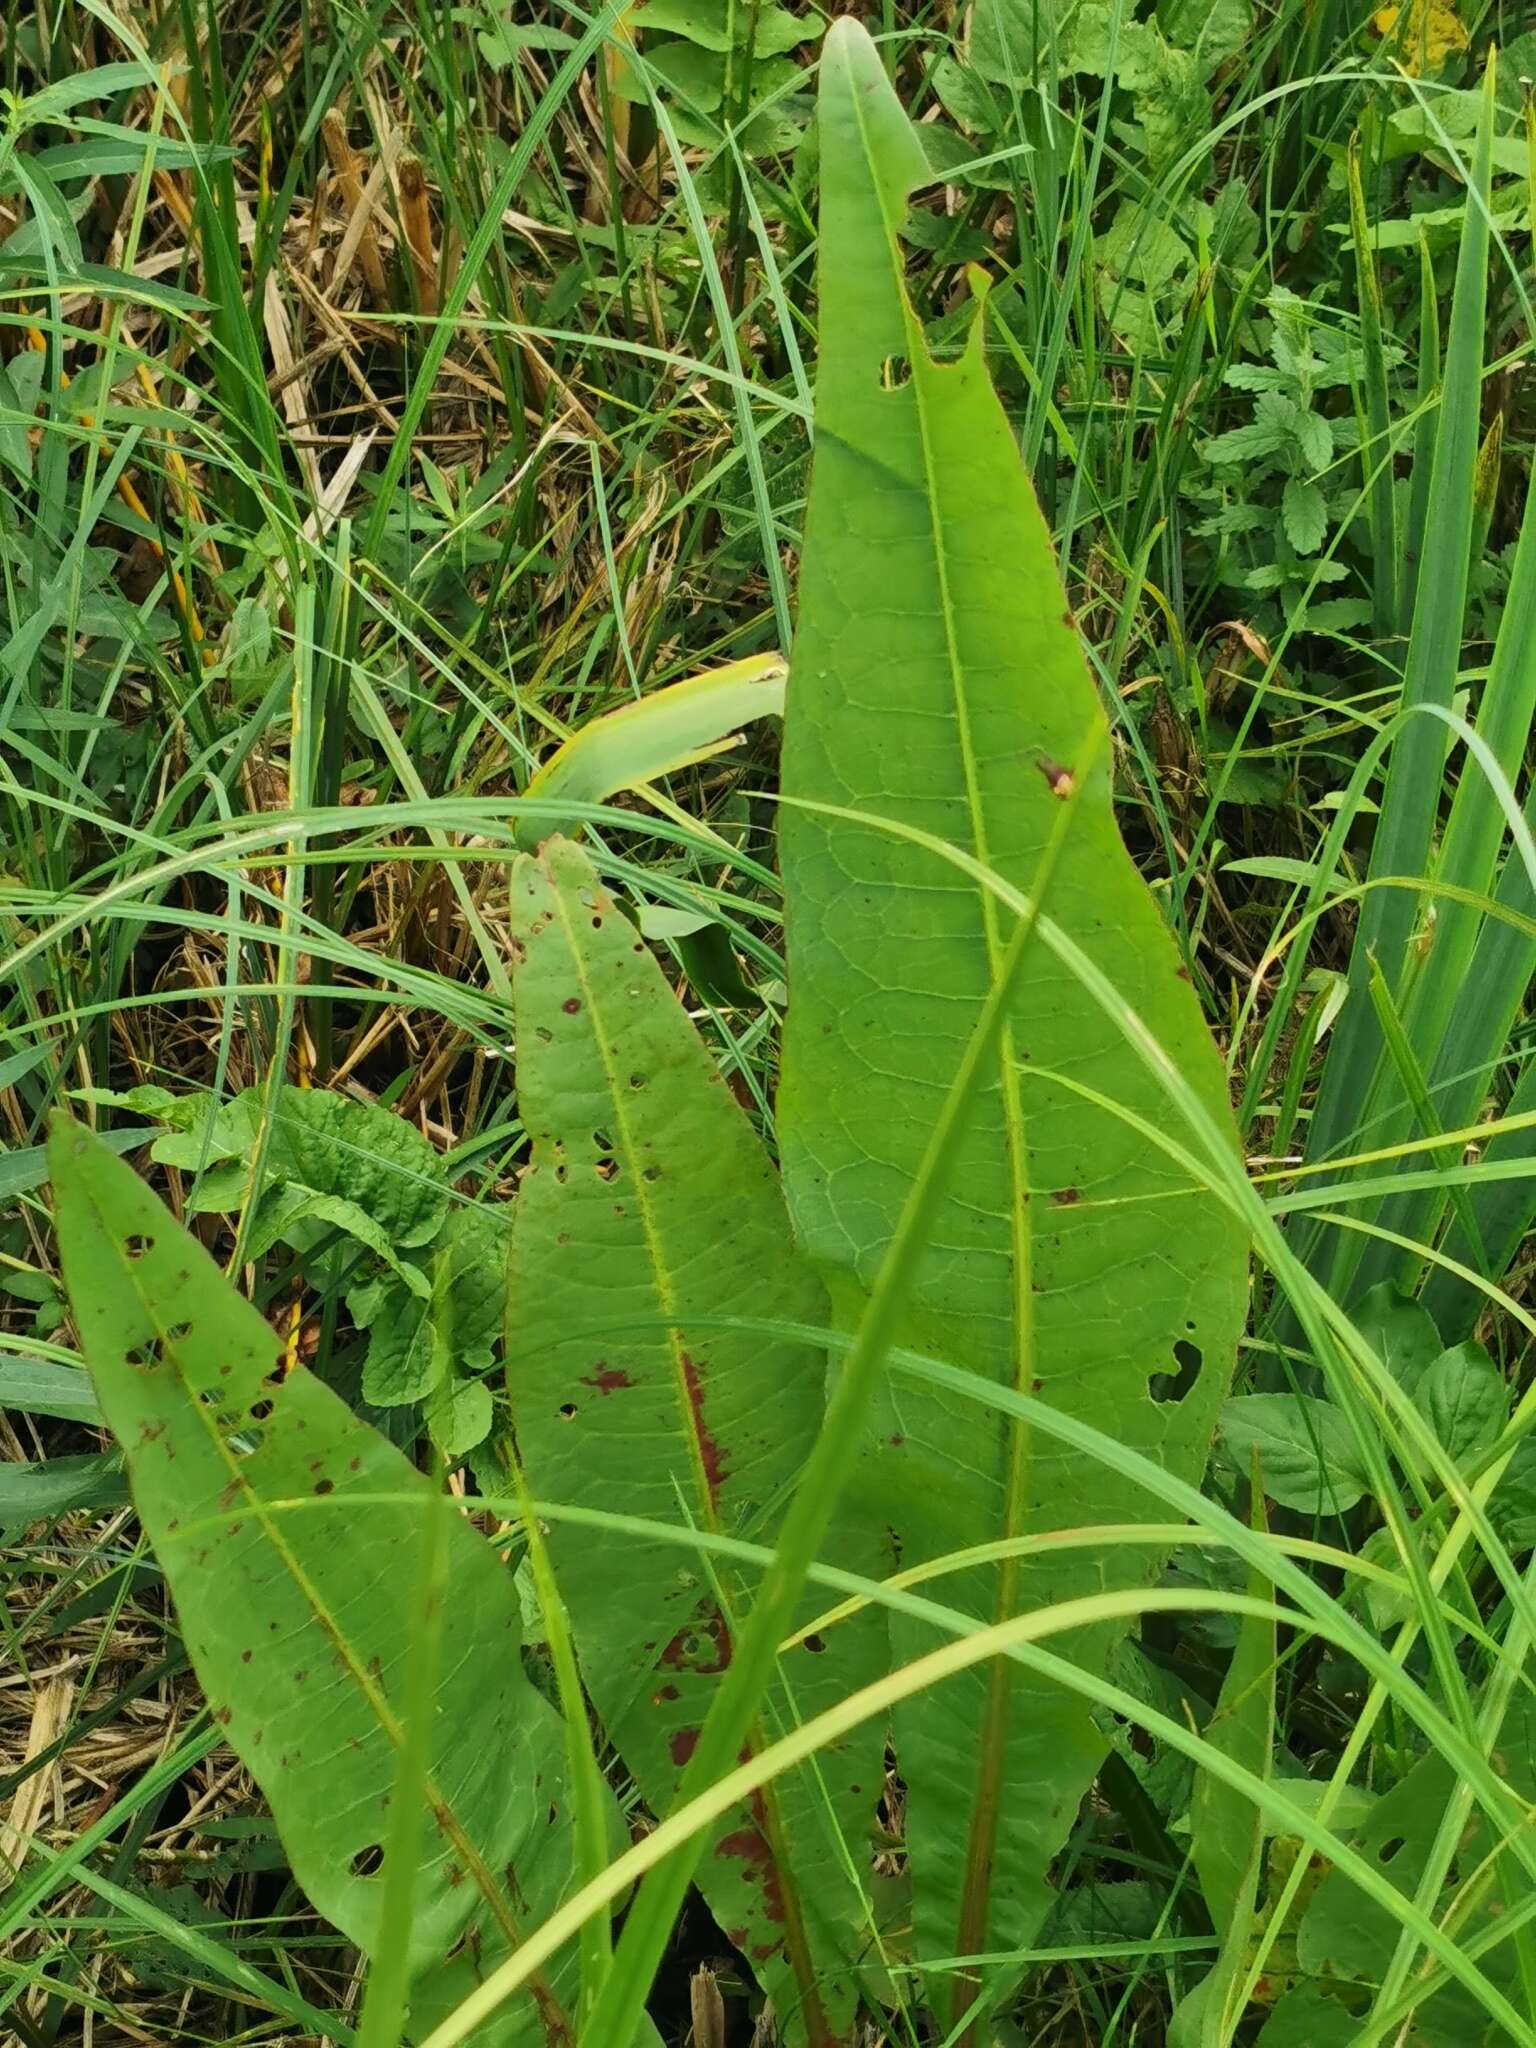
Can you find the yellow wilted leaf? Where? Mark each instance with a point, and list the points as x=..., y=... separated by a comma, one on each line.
x=1432, y=32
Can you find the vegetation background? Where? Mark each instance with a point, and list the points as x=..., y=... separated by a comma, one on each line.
x=387, y=394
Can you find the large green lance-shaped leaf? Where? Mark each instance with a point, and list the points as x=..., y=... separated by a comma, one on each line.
x=651, y=1210
x=936, y=680
x=296, y=1606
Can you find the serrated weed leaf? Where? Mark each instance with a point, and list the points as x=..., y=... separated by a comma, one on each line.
x=330, y=1144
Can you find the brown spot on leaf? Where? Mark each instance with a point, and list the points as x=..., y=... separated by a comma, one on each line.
x=1065, y=1197
x=711, y=1457
x=703, y=1647
x=607, y=1379
x=750, y=1846
x=684, y=1742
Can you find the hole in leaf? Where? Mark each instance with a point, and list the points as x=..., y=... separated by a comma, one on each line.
x=651, y=1173
x=368, y=1862
x=637, y=1080
x=136, y=1246
x=260, y=1410
x=1389, y=1849
x=607, y=1169
x=325, y=1486
x=816, y=1644
x=602, y=1141
x=179, y=1332
x=561, y=1171
x=145, y=1355
x=895, y=371
x=1173, y=1386
x=568, y=1411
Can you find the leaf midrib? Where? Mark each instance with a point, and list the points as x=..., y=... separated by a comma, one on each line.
x=985, y=1817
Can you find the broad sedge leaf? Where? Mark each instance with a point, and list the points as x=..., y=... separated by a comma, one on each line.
x=936, y=680
x=650, y=1211
x=296, y=1606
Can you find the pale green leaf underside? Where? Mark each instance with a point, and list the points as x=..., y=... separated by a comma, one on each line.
x=651, y=1210
x=936, y=679
x=296, y=1607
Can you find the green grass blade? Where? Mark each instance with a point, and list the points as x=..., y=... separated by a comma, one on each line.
x=1410, y=801
x=1468, y=993
x=1375, y=444
x=1226, y=1828
x=1503, y=1212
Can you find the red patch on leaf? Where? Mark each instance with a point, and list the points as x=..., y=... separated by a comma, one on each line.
x=750, y=1847
x=683, y=1744
x=607, y=1379
x=711, y=1457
